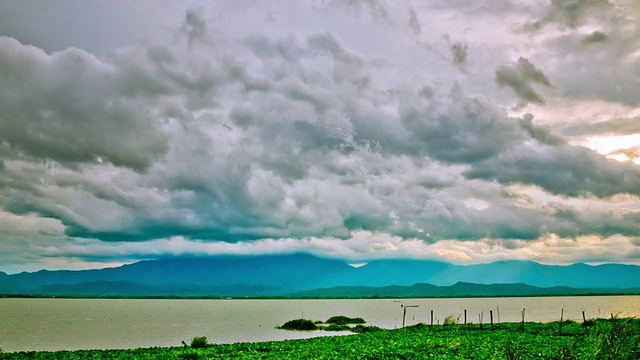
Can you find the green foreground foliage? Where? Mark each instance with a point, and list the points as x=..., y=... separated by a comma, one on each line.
x=605, y=339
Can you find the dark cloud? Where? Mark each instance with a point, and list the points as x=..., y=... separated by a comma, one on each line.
x=563, y=170
x=595, y=38
x=520, y=78
x=66, y=107
x=540, y=133
x=414, y=22
x=459, y=55
x=195, y=25
x=568, y=13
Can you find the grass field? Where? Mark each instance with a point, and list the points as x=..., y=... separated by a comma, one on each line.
x=599, y=339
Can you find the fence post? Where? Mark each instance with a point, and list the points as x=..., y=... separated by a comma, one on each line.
x=491, y=316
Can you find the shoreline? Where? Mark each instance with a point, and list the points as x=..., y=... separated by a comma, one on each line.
x=172, y=297
x=473, y=340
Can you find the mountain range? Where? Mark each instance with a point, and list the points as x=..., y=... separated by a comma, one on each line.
x=302, y=275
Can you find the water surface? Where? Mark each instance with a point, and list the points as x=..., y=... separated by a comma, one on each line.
x=68, y=324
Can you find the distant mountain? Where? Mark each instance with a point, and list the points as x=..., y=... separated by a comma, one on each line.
x=102, y=288
x=459, y=289
x=407, y=272
x=128, y=289
x=286, y=274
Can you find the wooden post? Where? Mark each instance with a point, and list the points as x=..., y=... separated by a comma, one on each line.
x=404, y=314
x=465, y=316
x=561, y=316
x=491, y=316
x=431, y=317
x=584, y=318
x=523, y=315
x=498, y=313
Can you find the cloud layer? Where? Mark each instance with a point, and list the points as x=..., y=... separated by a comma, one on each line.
x=303, y=140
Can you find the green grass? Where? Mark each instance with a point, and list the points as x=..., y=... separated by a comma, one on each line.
x=606, y=339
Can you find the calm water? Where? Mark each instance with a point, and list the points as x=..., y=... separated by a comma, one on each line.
x=66, y=324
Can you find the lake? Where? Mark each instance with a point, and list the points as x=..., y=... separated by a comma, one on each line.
x=69, y=324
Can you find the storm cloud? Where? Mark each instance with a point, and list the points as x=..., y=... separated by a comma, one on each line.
x=312, y=140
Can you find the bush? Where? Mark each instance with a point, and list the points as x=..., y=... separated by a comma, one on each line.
x=418, y=327
x=190, y=356
x=361, y=329
x=344, y=320
x=300, y=325
x=451, y=320
x=199, y=342
x=337, y=327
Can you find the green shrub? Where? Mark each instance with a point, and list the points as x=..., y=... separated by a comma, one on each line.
x=451, y=320
x=418, y=327
x=337, y=327
x=199, y=342
x=589, y=322
x=361, y=329
x=300, y=325
x=189, y=356
x=344, y=320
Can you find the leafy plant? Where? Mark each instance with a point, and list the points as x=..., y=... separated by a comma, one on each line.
x=199, y=342
x=451, y=320
x=337, y=327
x=344, y=320
x=189, y=356
x=510, y=353
x=300, y=325
x=361, y=329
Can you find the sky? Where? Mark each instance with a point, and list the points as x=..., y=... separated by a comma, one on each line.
x=459, y=131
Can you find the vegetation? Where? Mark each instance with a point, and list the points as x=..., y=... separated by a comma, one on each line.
x=451, y=320
x=300, y=325
x=344, y=320
x=336, y=327
x=199, y=342
x=606, y=339
x=361, y=329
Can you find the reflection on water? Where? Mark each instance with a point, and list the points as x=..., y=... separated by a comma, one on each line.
x=56, y=324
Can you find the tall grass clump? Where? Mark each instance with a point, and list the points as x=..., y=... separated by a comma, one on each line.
x=199, y=342
x=611, y=339
x=451, y=320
